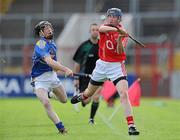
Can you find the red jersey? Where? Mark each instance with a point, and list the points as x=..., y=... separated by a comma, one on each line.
x=108, y=46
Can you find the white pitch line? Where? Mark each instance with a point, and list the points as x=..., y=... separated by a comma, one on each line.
x=103, y=118
x=112, y=127
x=114, y=112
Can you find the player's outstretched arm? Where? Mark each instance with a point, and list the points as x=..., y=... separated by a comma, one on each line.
x=57, y=66
x=112, y=28
x=106, y=28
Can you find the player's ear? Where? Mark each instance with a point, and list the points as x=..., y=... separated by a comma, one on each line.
x=41, y=33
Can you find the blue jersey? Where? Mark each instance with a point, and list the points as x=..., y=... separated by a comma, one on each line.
x=42, y=48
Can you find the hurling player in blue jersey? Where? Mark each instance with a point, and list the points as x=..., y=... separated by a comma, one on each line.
x=44, y=72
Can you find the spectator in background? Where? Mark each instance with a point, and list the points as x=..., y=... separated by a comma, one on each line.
x=44, y=68
x=85, y=60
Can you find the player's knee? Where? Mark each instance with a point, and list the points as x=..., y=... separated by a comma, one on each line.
x=96, y=98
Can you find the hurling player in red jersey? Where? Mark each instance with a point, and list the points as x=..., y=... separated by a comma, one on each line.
x=112, y=56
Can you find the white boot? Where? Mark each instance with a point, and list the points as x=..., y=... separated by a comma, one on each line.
x=51, y=95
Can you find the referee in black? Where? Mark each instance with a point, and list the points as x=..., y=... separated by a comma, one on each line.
x=85, y=60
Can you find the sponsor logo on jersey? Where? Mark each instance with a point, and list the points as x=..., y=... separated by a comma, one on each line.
x=41, y=44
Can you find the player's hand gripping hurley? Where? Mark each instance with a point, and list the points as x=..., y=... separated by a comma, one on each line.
x=123, y=33
x=132, y=38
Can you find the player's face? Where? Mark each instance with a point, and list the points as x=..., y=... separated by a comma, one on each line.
x=94, y=30
x=114, y=20
x=48, y=32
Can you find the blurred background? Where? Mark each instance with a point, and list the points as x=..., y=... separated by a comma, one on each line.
x=156, y=23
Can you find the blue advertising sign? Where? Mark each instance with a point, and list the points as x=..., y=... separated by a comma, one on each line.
x=19, y=86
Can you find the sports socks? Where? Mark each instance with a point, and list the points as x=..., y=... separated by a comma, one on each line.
x=130, y=121
x=59, y=125
x=94, y=108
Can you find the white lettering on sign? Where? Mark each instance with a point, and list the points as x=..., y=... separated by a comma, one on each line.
x=8, y=86
x=27, y=86
x=3, y=83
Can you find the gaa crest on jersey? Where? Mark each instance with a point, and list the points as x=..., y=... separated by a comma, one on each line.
x=41, y=44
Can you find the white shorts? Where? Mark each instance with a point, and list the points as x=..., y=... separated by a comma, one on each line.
x=47, y=81
x=108, y=71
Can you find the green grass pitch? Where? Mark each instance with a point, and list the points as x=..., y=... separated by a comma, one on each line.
x=25, y=119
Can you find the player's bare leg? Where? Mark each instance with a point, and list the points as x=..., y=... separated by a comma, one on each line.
x=90, y=90
x=60, y=94
x=122, y=88
x=42, y=95
x=95, y=97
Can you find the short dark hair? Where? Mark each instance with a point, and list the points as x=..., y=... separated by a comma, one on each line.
x=95, y=24
x=40, y=26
